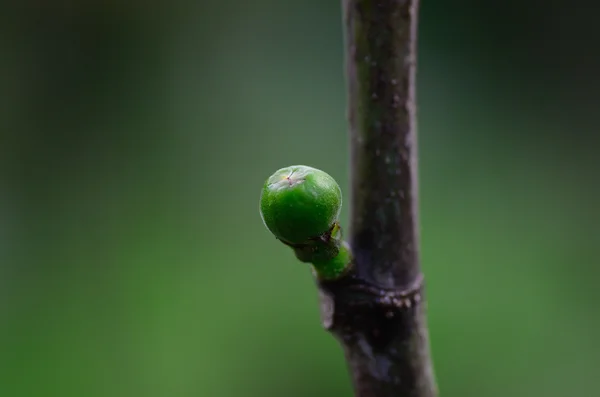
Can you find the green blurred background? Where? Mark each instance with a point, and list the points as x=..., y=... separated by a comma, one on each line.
x=134, y=139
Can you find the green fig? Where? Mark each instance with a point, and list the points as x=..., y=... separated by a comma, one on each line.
x=300, y=203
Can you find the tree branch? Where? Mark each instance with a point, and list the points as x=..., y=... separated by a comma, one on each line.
x=377, y=310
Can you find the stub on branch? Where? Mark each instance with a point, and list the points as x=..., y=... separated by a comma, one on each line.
x=349, y=305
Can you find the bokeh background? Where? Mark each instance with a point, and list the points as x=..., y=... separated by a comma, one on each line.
x=135, y=137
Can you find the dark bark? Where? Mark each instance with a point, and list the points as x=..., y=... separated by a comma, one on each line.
x=377, y=311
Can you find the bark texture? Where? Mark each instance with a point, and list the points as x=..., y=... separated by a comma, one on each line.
x=377, y=311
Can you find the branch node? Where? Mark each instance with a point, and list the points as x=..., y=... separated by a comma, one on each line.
x=351, y=303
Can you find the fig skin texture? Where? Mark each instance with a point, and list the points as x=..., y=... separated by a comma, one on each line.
x=300, y=203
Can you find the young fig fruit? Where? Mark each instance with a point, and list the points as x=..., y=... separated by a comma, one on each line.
x=299, y=203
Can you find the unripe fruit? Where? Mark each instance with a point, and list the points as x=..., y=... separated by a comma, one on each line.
x=299, y=203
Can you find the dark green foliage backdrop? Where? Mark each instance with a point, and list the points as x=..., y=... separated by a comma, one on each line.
x=134, y=140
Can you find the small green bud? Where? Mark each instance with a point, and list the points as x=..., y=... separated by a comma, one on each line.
x=299, y=203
